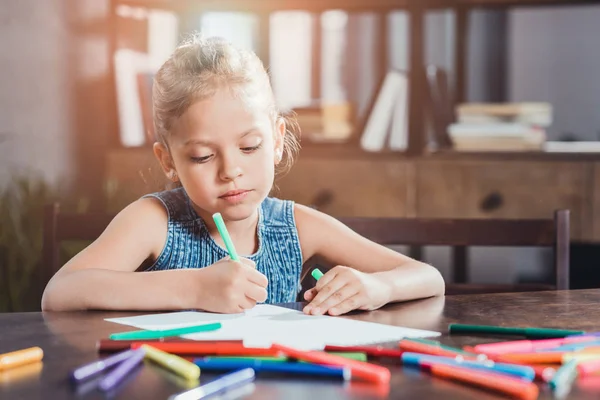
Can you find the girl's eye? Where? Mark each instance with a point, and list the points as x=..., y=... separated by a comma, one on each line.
x=251, y=149
x=200, y=160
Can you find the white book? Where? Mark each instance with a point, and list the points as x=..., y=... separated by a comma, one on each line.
x=128, y=63
x=540, y=119
x=499, y=129
x=378, y=123
x=399, y=130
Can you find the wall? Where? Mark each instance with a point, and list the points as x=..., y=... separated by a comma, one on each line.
x=34, y=94
x=554, y=55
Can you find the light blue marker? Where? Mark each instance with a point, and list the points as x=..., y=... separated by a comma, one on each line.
x=520, y=371
x=221, y=385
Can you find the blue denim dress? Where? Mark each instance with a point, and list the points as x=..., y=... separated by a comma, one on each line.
x=189, y=244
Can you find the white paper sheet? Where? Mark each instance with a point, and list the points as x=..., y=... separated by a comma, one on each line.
x=267, y=324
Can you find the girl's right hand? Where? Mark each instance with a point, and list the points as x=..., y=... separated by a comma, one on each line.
x=231, y=286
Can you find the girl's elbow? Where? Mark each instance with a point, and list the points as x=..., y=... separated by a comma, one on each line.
x=47, y=301
x=439, y=285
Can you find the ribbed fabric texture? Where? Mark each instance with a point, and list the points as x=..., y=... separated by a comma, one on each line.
x=189, y=245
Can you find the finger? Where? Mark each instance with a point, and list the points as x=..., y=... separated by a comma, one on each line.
x=327, y=290
x=247, y=303
x=310, y=294
x=349, y=304
x=256, y=293
x=325, y=279
x=338, y=297
x=256, y=277
x=248, y=262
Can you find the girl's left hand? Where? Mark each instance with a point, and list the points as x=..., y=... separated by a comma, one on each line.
x=343, y=289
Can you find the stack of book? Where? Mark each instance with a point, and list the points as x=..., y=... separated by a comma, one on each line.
x=500, y=126
x=325, y=121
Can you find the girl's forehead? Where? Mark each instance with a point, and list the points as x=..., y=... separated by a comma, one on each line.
x=222, y=114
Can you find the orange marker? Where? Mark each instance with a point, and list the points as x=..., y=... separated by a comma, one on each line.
x=536, y=358
x=512, y=386
x=417, y=347
x=20, y=357
x=543, y=372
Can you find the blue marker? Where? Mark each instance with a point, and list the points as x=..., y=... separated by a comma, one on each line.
x=220, y=385
x=520, y=371
x=214, y=364
x=571, y=346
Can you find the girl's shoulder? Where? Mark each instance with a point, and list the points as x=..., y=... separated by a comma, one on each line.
x=176, y=203
x=278, y=213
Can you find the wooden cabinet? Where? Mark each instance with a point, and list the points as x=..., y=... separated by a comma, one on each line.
x=495, y=189
x=347, y=187
x=427, y=186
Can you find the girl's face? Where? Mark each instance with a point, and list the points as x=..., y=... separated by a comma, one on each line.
x=224, y=153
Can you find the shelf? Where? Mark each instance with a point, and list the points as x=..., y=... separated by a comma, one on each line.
x=521, y=3
x=323, y=5
x=512, y=155
x=266, y=5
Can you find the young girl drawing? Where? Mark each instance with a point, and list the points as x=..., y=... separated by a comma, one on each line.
x=222, y=139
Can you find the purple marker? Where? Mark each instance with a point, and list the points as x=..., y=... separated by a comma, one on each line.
x=94, y=368
x=119, y=373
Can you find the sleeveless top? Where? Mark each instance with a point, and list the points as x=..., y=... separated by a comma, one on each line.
x=189, y=244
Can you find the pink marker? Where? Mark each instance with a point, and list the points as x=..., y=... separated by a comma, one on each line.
x=526, y=346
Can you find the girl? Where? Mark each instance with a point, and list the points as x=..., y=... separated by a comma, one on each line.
x=221, y=139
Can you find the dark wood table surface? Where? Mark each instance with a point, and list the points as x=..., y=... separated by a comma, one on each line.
x=69, y=340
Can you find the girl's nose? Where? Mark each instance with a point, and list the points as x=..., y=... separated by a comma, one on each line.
x=230, y=168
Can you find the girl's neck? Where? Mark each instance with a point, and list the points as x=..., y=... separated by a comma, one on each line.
x=243, y=232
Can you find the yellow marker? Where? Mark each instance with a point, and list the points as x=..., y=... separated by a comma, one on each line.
x=20, y=357
x=580, y=356
x=172, y=362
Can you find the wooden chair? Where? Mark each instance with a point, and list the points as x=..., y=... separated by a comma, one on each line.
x=59, y=227
x=459, y=233
x=462, y=233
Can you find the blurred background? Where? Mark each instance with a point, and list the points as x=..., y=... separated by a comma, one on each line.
x=418, y=109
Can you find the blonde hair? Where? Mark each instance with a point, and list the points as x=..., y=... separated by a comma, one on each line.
x=197, y=69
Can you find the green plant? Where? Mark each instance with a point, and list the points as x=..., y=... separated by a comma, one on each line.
x=21, y=209
x=22, y=204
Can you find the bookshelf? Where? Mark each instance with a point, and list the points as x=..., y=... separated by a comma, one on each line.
x=343, y=180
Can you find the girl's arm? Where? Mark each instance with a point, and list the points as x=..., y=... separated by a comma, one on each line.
x=103, y=275
x=367, y=275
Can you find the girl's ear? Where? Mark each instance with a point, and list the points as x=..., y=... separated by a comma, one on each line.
x=166, y=162
x=280, y=131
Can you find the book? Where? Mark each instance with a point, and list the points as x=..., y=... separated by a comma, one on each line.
x=390, y=99
x=526, y=113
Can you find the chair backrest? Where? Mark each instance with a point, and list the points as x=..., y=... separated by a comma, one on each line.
x=553, y=233
x=474, y=232
x=59, y=227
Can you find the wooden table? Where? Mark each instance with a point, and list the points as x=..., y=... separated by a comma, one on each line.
x=68, y=340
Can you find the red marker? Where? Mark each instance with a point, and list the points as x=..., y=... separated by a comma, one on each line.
x=375, y=351
x=210, y=348
x=359, y=369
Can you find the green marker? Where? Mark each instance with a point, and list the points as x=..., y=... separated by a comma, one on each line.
x=225, y=236
x=316, y=273
x=149, y=334
x=532, y=333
